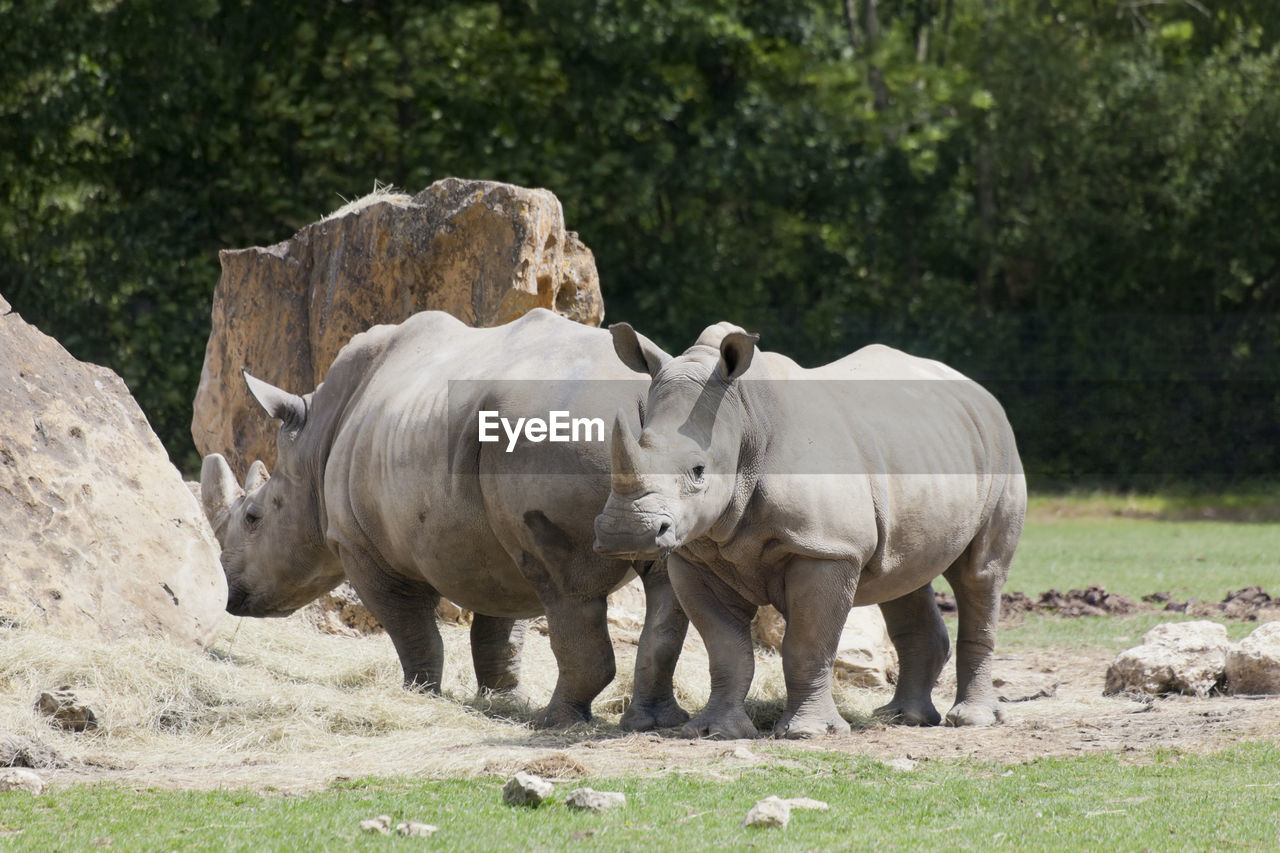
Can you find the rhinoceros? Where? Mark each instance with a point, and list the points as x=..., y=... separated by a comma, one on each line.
x=382, y=478
x=854, y=483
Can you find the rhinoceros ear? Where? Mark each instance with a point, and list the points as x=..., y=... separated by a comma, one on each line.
x=218, y=488
x=636, y=351
x=278, y=403
x=736, y=352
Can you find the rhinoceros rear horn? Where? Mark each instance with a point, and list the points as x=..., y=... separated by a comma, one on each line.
x=278, y=403
x=218, y=488
x=624, y=451
x=257, y=476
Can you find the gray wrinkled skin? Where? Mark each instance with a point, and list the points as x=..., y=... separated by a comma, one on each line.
x=381, y=480
x=924, y=480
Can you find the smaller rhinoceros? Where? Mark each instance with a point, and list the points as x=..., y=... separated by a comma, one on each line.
x=816, y=490
x=385, y=476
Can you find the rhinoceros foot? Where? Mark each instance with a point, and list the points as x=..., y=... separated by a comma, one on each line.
x=811, y=725
x=722, y=725
x=975, y=714
x=909, y=714
x=561, y=715
x=658, y=715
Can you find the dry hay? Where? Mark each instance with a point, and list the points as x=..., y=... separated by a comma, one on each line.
x=276, y=704
x=381, y=193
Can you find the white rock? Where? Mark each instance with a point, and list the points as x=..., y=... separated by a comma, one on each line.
x=865, y=657
x=21, y=779
x=627, y=606
x=380, y=824
x=586, y=799
x=903, y=765
x=525, y=789
x=806, y=804
x=101, y=535
x=769, y=812
x=413, y=829
x=1177, y=657
x=1253, y=667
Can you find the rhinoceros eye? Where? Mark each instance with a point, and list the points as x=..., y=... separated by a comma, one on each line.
x=697, y=472
x=253, y=516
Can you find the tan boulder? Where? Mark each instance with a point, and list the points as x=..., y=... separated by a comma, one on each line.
x=865, y=657
x=1176, y=657
x=485, y=252
x=100, y=534
x=1253, y=666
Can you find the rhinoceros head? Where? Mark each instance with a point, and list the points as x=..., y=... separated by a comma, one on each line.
x=273, y=550
x=672, y=482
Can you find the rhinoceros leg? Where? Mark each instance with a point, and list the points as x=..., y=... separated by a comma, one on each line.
x=579, y=632
x=818, y=602
x=653, y=702
x=976, y=578
x=495, y=652
x=407, y=610
x=723, y=618
x=920, y=637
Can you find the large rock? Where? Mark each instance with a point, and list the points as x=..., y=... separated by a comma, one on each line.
x=865, y=657
x=1253, y=666
x=100, y=534
x=1178, y=657
x=485, y=252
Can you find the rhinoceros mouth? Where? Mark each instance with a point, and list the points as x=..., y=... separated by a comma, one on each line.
x=241, y=603
x=633, y=547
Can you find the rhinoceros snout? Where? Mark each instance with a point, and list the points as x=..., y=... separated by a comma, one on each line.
x=237, y=600
x=634, y=542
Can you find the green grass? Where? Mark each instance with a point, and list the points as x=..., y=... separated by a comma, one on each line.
x=1203, y=560
x=1173, y=802
x=1113, y=633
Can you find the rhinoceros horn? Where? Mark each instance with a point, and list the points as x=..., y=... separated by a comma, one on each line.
x=624, y=451
x=257, y=476
x=218, y=488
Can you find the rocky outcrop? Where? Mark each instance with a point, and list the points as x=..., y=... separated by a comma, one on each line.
x=485, y=252
x=865, y=657
x=100, y=534
x=1253, y=666
x=1178, y=657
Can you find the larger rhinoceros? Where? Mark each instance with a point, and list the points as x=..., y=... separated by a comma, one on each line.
x=382, y=478
x=814, y=490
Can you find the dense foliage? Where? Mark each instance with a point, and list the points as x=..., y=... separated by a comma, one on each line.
x=1072, y=199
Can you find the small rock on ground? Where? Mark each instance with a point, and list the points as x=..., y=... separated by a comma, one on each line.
x=807, y=804
x=525, y=789
x=380, y=824
x=66, y=711
x=21, y=751
x=21, y=779
x=413, y=829
x=768, y=813
x=905, y=765
x=586, y=799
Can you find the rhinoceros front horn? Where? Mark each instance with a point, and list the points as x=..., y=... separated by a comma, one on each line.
x=625, y=449
x=218, y=488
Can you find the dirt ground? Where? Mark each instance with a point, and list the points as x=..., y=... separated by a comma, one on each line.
x=1059, y=710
